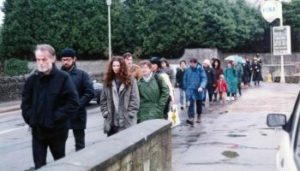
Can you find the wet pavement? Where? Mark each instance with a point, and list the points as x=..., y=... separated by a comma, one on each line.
x=234, y=136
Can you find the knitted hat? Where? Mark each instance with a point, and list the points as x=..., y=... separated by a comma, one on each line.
x=68, y=52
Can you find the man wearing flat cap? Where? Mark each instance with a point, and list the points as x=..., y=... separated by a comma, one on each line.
x=85, y=91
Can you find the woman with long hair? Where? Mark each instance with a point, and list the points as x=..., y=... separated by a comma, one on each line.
x=119, y=102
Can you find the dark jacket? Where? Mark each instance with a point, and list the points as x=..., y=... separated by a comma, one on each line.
x=85, y=91
x=179, y=78
x=210, y=74
x=192, y=80
x=48, y=102
x=257, y=75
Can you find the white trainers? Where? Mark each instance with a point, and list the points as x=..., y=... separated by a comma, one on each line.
x=227, y=98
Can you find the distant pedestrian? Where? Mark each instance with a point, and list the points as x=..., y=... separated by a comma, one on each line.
x=257, y=76
x=194, y=83
x=133, y=69
x=120, y=101
x=218, y=70
x=154, y=94
x=85, y=91
x=179, y=83
x=247, y=73
x=211, y=81
x=49, y=100
x=232, y=81
x=165, y=67
x=221, y=88
x=239, y=73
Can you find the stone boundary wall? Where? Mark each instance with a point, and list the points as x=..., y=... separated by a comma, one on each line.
x=11, y=88
x=143, y=147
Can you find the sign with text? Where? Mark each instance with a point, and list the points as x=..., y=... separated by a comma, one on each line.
x=282, y=40
x=271, y=10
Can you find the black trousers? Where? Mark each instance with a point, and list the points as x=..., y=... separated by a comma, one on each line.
x=79, y=139
x=56, y=144
x=199, y=107
x=113, y=131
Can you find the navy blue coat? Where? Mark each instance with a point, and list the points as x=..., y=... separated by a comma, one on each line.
x=48, y=102
x=192, y=80
x=85, y=91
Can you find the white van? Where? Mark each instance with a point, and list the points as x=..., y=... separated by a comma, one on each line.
x=288, y=156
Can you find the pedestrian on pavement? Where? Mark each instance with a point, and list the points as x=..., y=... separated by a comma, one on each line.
x=120, y=101
x=133, y=69
x=49, y=100
x=165, y=67
x=221, y=88
x=85, y=91
x=218, y=70
x=239, y=72
x=179, y=83
x=157, y=70
x=211, y=81
x=154, y=94
x=247, y=73
x=194, y=82
x=257, y=75
x=232, y=80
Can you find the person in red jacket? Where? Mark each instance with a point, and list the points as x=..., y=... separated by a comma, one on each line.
x=221, y=87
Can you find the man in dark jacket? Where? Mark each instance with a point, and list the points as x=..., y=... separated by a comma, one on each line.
x=48, y=101
x=85, y=91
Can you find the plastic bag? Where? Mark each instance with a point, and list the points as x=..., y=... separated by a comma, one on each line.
x=173, y=116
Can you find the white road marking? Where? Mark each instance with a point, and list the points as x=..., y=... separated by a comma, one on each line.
x=11, y=130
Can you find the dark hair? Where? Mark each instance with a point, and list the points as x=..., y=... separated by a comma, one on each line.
x=214, y=65
x=194, y=60
x=165, y=61
x=182, y=61
x=156, y=60
x=127, y=55
x=124, y=76
x=145, y=62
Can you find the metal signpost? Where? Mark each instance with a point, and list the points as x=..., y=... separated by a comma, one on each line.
x=281, y=37
x=108, y=2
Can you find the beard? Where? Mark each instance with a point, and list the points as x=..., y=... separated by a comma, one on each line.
x=67, y=67
x=44, y=68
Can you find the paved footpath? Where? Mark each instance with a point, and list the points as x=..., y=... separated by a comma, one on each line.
x=234, y=136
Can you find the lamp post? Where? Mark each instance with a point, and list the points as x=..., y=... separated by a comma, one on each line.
x=108, y=3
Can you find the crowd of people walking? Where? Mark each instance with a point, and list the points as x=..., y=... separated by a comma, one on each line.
x=54, y=100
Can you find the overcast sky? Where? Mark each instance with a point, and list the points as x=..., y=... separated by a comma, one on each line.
x=1, y=14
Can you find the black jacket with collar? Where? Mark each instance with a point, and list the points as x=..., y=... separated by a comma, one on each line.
x=85, y=91
x=48, y=102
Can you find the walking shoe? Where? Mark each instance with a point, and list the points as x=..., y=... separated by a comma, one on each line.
x=228, y=98
x=191, y=122
x=198, y=119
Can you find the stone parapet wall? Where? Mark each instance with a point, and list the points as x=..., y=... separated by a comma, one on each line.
x=143, y=147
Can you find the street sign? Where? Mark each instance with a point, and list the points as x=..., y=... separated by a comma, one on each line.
x=282, y=40
x=271, y=10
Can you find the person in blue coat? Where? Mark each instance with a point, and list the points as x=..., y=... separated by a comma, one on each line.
x=85, y=91
x=194, y=82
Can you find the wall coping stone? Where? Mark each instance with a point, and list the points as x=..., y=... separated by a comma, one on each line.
x=102, y=154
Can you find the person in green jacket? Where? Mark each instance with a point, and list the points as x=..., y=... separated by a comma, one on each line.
x=154, y=94
x=232, y=81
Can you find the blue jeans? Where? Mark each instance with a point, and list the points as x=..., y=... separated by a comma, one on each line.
x=182, y=97
x=191, y=109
